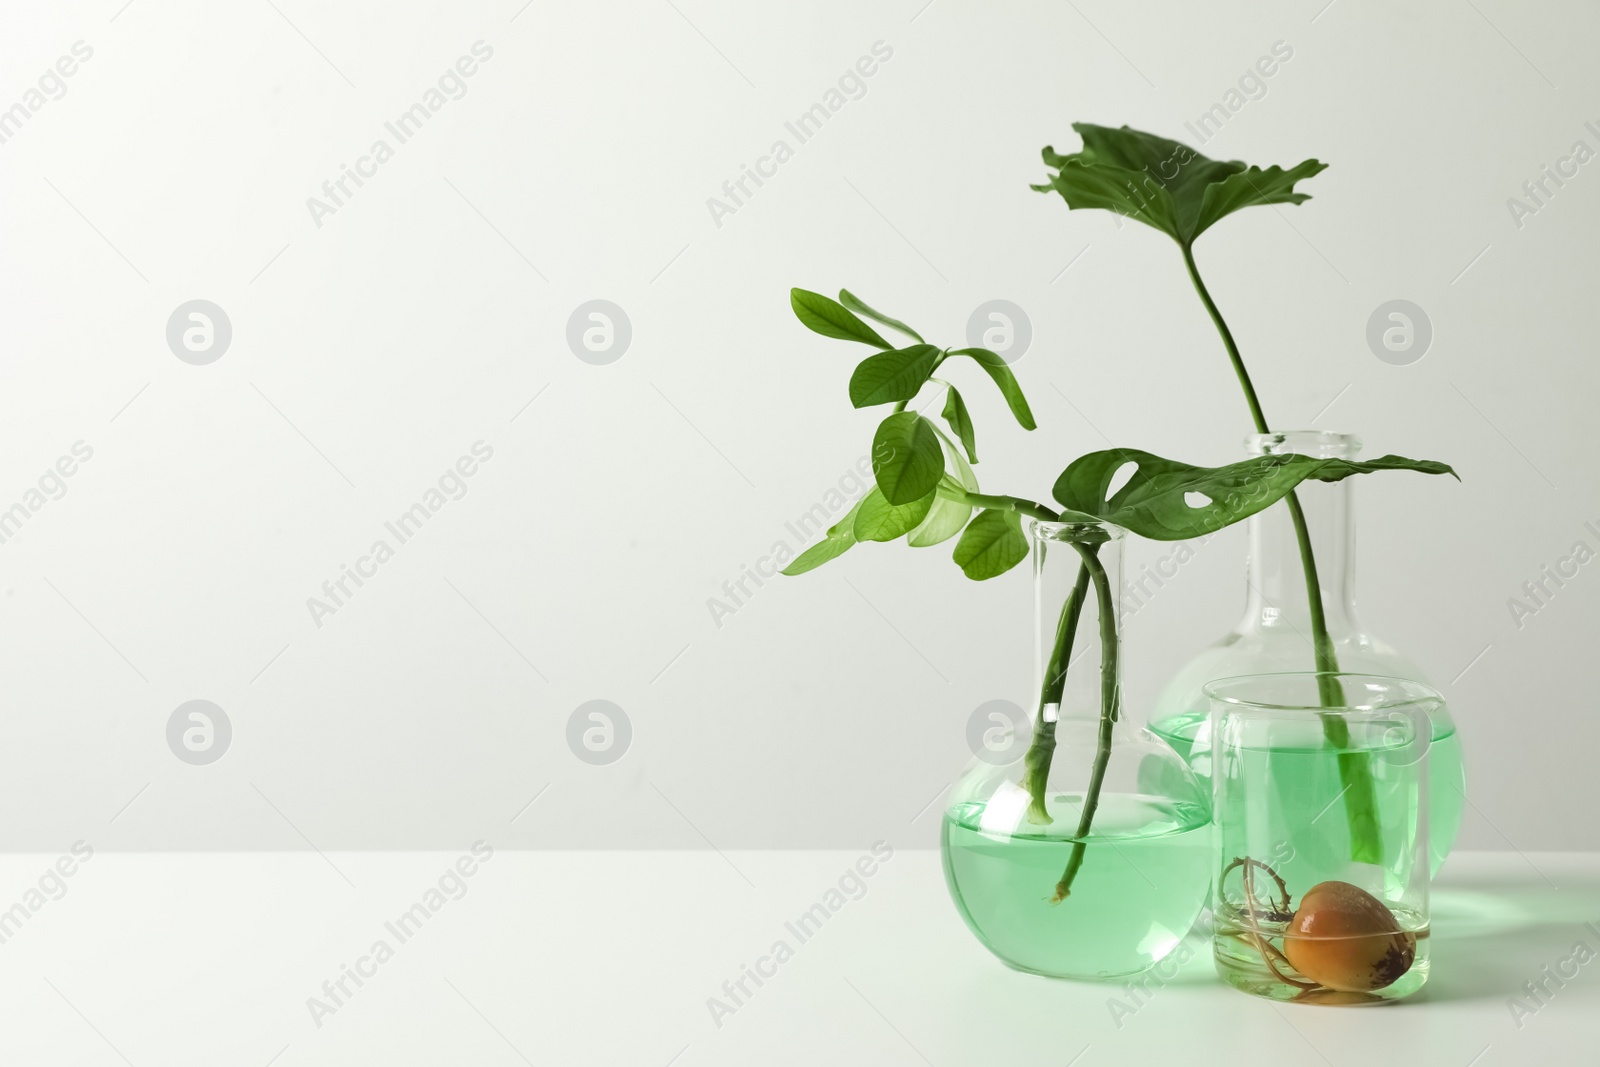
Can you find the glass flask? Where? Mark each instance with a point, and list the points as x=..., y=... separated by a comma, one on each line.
x=1075, y=844
x=1275, y=634
x=1302, y=910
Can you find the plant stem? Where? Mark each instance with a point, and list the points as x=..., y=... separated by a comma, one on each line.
x=1042, y=749
x=1361, y=803
x=1227, y=341
x=1110, y=699
x=1361, y=807
x=1010, y=503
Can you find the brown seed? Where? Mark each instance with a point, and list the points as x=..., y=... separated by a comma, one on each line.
x=1344, y=938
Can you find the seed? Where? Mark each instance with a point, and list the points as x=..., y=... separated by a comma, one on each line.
x=1344, y=938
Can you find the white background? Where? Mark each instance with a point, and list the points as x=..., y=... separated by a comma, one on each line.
x=372, y=351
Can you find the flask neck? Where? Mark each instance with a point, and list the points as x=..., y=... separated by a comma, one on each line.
x=1277, y=590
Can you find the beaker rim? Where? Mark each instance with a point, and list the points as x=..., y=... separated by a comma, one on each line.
x=1077, y=530
x=1324, y=444
x=1386, y=692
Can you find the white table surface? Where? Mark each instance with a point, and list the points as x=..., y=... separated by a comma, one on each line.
x=609, y=958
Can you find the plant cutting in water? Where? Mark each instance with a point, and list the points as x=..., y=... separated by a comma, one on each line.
x=1340, y=940
x=926, y=492
x=1172, y=188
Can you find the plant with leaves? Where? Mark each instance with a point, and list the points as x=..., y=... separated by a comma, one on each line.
x=925, y=491
x=1172, y=188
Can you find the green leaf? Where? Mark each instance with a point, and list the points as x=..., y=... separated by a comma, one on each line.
x=955, y=413
x=894, y=375
x=859, y=306
x=992, y=544
x=1153, y=502
x=945, y=519
x=841, y=536
x=949, y=512
x=962, y=474
x=821, y=314
x=1254, y=187
x=906, y=458
x=1114, y=189
x=829, y=548
x=879, y=520
x=996, y=368
x=1164, y=183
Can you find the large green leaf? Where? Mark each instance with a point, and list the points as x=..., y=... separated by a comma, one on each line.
x=955, y=413
x=992, y=544
x=1110, y=188
x=997, y=369
x=1253, y=187
x=824, y=315
x=907, y=460
x=859, y=306
x=839, y=540
x=894, y=375
x=1153, y=502
x=879, y=520
x=1164, y=183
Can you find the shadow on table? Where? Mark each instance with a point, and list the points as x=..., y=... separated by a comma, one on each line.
x=1493, y=933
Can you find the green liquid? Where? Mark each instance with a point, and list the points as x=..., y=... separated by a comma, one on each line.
x=1279, y=805
x=1446, y=778
x=1144, y=879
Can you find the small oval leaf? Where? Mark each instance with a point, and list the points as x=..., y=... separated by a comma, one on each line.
x=841, y=537
x=992, y=544
x=960, y=420
x=821, y=314
x=945, y=519
x=829, y=548
x=997, y=369
x=879, y=520
x=892, y=376
x=859, y=306
x=949, y=512
x=907, y=461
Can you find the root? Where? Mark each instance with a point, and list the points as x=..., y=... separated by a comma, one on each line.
x=1274, y=909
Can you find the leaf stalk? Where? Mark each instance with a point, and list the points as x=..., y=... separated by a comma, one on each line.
x=1361, y=801
x=999, y=502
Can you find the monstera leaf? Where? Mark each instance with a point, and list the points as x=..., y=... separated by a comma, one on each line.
x=1164, y=183
x=1156, y=501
